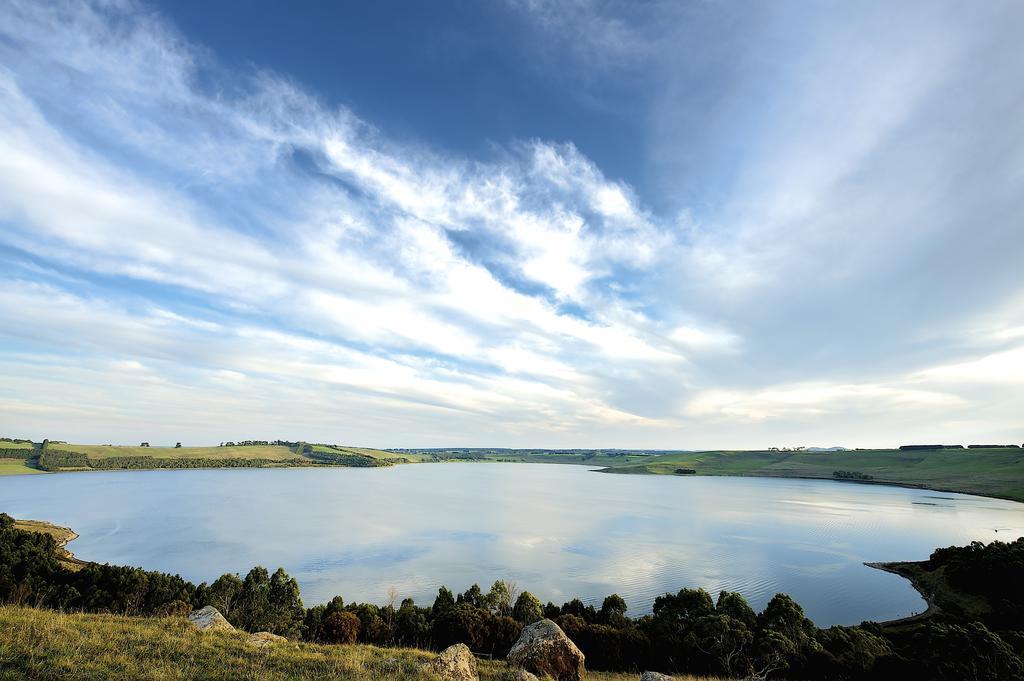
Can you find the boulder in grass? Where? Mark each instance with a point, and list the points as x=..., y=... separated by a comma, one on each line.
x=209, y=619
x=455, y=663
x=262, y=639
x=655, y=676
x=544, y=649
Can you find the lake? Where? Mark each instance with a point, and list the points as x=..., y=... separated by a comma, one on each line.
x=558, y=531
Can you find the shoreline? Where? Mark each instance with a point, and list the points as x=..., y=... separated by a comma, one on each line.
x=900, y=568
x=883, y=483
x=62, y=535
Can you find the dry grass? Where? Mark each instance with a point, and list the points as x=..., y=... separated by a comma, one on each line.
x=44, y=645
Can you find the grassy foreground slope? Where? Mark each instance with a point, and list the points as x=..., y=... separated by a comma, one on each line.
x=40, y=644
x=989, y=472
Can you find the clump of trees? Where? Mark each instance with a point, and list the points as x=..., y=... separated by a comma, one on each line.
x=851, y=475
x=258, y=443
x=993, y=572
x=55, y=459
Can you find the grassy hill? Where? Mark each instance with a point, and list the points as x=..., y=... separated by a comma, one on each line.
x=269, y=452
x=43, y=645
x=996, y=472
x=379, y=454
x=990, y=472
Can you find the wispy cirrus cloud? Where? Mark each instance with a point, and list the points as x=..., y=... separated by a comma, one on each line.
x=237, y=255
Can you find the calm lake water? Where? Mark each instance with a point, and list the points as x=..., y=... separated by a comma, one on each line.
x=559, y=531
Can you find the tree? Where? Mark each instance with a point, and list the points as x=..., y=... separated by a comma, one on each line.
x=411, y=625
x=784, y=615
x=285, y=604
x=340, y=627
x=500, y=598
x=315, y=617
x=502, y=633
x=527, y=609
x=785, y=638
x=253, y=605
x=579, y=609
x=686, y=605
x=224, y=592
x=849, y=650
x=980, y=654
x=726, y=640
x=444, y=599
x=613, y=610
x=473, y=596
x=734, y=605
x=674, y=616
x=461, y=623
x=373, y=630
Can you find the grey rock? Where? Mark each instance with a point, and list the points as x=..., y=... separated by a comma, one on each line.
x=262, y=639
x=544, y=649
x=655, y=676
x=455, y=663
x=209, y=619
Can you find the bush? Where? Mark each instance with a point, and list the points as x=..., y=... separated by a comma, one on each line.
x=340, y=627
x=527, y=609
x=461, y=623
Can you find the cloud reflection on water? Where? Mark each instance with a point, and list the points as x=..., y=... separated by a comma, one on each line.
x=559, y=531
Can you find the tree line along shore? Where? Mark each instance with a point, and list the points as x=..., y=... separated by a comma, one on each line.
x=975, y=632
x=995, y=471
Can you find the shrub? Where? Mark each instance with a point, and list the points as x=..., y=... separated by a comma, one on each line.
x=173, y=609
x=527, y=609
x=340, y=627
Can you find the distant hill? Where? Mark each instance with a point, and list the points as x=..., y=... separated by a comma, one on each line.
x=828, y=449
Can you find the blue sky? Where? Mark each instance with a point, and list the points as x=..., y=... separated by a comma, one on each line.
x=590, y=224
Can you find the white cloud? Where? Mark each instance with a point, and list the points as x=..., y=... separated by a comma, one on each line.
x=812, y=400
x=196, y=236
x=1001, y=367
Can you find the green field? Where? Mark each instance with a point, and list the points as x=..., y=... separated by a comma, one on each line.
x=15, y=467
x=4, y=444
x=271, y=452
x=994, y=472
x=372, y=453
x=989, y=472
x=585, y=457
x=44, y=645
